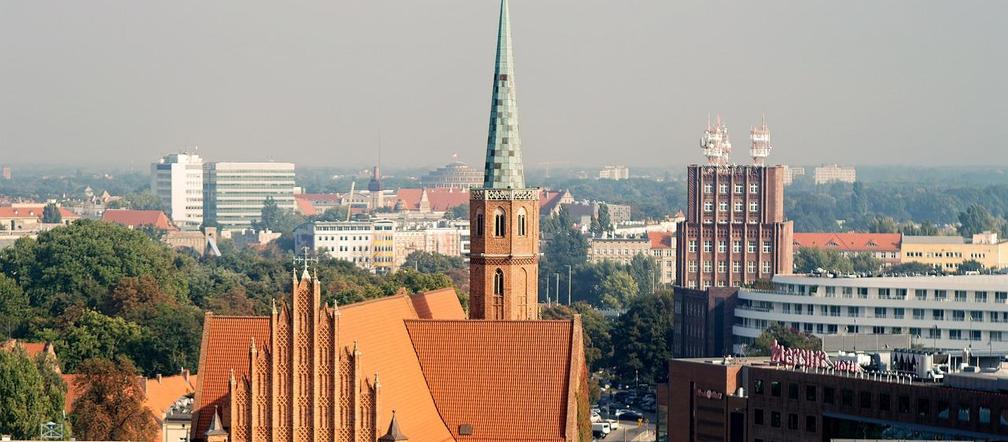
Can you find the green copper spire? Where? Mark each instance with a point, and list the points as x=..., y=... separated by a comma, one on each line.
x=504, y=160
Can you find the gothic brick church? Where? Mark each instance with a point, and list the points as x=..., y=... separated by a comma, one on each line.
x=412, y=367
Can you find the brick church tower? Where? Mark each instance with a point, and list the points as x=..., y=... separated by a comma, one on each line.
x=504, y=214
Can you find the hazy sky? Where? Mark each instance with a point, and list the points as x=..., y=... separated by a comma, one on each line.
x=599, y=81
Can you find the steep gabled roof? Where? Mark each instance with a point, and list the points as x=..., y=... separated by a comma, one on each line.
x=441, y=199
x=225, y=347
x=438, y=304
x=33, y=211
x=138, y=218
x=509, y=380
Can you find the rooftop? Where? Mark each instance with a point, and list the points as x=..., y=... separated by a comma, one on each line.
x=950, y=282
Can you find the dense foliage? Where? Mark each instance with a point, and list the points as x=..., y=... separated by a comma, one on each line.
x=31, y=393
x=111, y=403
x=785, y=336
x=811, y=260
x=100, y=290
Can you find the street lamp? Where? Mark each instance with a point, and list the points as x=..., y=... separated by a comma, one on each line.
x=570, y=282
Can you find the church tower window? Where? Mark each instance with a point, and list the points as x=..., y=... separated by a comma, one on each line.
x=498, y=283
x=521, y=221
x=500, y=223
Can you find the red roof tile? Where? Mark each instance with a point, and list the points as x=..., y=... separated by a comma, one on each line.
x=438, y=304
x=850, y=241
x=33, y=211
x=508, y=379
x=138, y=218
x=305, y=205
x=661, y=240
x=440, y=199
x=225, y=347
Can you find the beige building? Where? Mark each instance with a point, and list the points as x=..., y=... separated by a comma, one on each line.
x=614, y=173
x=947, y=252
x=833, y=173
x=449, y=238
x=661, y=246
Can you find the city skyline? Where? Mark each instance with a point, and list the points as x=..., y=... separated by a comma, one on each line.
x=319, y=84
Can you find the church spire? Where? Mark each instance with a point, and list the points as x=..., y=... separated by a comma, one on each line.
x=504, y=160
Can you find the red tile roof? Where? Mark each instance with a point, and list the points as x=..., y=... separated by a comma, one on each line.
x=138, y=218
x=850, y=241
x=661, y=240
x=305, y=205
x=438, y=304
x=440, y=199
x=225, y=347
x=508, y=379
x=33, y=211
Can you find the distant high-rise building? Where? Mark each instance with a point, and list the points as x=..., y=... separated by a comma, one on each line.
x=7, y=173
x=177, y=180
x=735, y=232
x=614, y=173
x=833, y=173
x=455, y=175
x=791, y=172
x=235, y=192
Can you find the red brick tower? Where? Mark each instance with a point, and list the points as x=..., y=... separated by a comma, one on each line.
x=504, y=215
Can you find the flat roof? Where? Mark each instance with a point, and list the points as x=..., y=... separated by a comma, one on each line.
x=948, y=282
x=908, y=239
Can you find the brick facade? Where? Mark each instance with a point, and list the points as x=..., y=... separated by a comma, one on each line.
x=511, y=248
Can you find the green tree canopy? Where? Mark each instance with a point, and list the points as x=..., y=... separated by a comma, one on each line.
x=618, y=289
x=976, y=219
x=31, y=393
x=785, y=336
x=810, y=259
x=642, y=339
x=51, y=214
x=13, y=305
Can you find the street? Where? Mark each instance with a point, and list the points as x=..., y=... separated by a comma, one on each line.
x=630, y=432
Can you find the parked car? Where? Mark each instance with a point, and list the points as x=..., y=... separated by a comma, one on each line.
x=601, y=429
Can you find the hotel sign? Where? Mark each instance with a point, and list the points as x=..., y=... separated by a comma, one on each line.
x=709, y=394
x=816, y=359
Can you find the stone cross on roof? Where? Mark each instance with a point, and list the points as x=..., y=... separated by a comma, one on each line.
x=306, y=259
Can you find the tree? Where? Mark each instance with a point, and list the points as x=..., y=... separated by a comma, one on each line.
x=51, y=214
x=85, y=334
x=277, y=219
x=785, y=336
x=865, y=262
x=644, y=270
x=644, y=339
x=911, y=268
x=597, y=339
x=27, y=397
x=970, y=265
x=976, y=219
x=13, y=305
x=810, y=260
x=433, y=262
x=333, y=214
x=111, y=405
x=146, y=200
x=618, y=289
x=601, y=223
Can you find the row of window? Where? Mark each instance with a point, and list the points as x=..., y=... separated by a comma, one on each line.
x=708, y=206
x=722, y=246
x=723, y=188
x=500, y=223
x=882, y=293
x=875, y=401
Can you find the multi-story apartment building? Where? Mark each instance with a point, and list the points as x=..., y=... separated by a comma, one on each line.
x=883, y=246
x=833, y=173
x=234, y=193
x=735, y=232
x=177, y=180
x=948, y=252
x=944, y=312
x=614, y=173
x=449, y=238
x=791, y=172
x=663, y=251
x=660, y=246
x=369, y=245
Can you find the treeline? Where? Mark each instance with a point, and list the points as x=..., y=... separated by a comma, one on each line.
x=100, y=290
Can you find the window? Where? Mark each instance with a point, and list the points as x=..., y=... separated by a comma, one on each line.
x=738, y=188
x=898, y=313
x=810, y=424
x=766, y=267
x=940, y=295
x=964, y=413
x=758, y=386
x=943, y=410
x=938, y=315
x=923, y=407
x=1000, y=297
x=904, y=404
x=708, y=206
x=880, y=312
x=479, y=223
x=918, y=313
x=758, y=416
x=707, y=188
x=751, y=246
x=955, y=335
x=984, y=414
x=707, y=267
x=723, y=206
x=521, y=221
x=706, y=246
x=792, y=421
x=980, y=296
x=828, y=394
x=960, y=296
x=722, y=246
x=884, y=401
x=753, y=206
x=692, y=245
x=751, y=267
x=864, y=399
x=810, y=392
x=738, y=206
x=958, y=315
x=753, y=188
x=792, y=391
x=722, y=188
x=921, y=294
x=721, y=266
x=500, y=223
x=766, y=247
x=775, y=419
x=847, y=398
x=498, y=283
x=775, y=389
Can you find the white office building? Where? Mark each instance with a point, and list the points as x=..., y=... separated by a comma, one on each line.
x=177, y=180
x=367, y=244
x=945, y=312
x=235, y=192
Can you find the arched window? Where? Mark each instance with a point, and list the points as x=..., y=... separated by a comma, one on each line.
x=479, y=223
x=521, y=221
x=498, y=283
x=500, y=224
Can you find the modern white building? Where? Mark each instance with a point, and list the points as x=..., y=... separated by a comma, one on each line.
x=833, y=173
x=369, y=245
x=945, y=312
x=177, y=180
x=235, y=192
x=614, y=173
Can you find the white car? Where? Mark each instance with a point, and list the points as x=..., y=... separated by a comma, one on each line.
x=601, y=427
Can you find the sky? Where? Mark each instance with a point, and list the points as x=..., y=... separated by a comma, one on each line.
x=324, y=83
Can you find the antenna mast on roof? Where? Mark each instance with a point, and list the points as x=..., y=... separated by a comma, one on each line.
x=760, y=137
